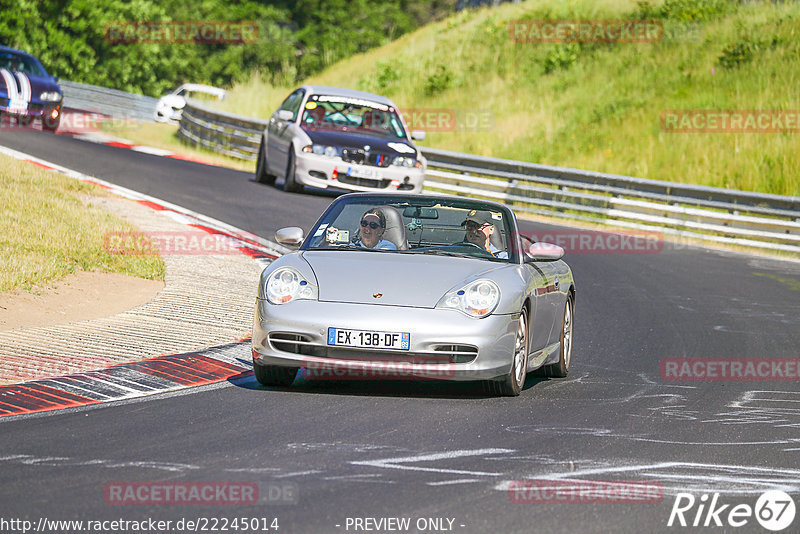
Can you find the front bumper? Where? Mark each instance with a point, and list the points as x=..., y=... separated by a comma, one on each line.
x=34, y=109
x=317, y=171
x=441, y=341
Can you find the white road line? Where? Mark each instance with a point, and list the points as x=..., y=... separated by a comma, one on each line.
x=298, y=473
x=394, y=463
x=450, y=482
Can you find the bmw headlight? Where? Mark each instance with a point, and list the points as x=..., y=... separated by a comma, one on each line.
x=287, y=284
x=405, y=161
x=476, y=299
x=322, y=150
x=50, y=96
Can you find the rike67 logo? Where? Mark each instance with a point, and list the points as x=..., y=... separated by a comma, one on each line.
x=774, y=510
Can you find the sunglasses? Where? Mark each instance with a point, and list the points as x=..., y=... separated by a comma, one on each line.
x=474, y=226
x=372, y=225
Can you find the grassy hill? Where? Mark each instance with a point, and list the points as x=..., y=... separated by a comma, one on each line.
x=595, y=106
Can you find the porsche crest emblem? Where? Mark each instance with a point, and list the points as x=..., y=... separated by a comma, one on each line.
x=377, y=295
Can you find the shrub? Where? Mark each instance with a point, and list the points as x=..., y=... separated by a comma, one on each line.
x=737, y=54
x=561, y=56
x=440, y=80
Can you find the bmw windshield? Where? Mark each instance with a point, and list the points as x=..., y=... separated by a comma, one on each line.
x=20, y=63
x=347, y=114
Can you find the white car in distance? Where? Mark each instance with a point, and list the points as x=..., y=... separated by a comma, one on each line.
x=170, y=107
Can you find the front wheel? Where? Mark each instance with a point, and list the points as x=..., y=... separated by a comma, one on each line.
x=274, y=375
x=560, y=369
x=511, y=385
x=50, y=124
x=261, y=167
x=290, y=185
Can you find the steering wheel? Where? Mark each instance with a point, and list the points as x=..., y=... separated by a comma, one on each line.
x=468, y=243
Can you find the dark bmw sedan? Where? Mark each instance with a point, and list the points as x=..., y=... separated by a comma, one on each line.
x=27, y=91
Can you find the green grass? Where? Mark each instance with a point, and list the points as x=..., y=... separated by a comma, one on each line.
x=49, y=229
x=164, y=136
x=595, y=106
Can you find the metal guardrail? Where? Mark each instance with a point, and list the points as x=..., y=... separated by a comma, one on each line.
x=109, y=102
x=226, y=133
x=698, y=212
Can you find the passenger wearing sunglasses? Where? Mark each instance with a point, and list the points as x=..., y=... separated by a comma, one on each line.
x=479, y=227
x=373, y=225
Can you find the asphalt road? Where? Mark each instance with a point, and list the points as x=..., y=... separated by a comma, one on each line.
x=326, y=454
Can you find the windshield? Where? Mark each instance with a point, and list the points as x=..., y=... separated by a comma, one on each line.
x=412, y=225
x=20, y=63
x=346, y=114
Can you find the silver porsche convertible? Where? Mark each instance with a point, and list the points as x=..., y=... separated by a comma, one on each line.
x=414, y=286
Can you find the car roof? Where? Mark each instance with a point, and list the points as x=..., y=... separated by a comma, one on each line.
x=201, y=88
x=342, y=91
x=9, y=49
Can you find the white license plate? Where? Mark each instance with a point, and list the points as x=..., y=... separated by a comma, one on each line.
x=16, y=104
x=363, y=173
x=368, y=339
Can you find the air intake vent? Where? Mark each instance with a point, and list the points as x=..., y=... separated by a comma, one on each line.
x=295, y=344
x=458, y=353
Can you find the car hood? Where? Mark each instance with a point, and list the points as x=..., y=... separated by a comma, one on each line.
x=37, y=84
x=391, y=145
x=400, y=279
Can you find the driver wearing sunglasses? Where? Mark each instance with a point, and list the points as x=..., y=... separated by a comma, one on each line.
x=479, y=227
x=373, y=225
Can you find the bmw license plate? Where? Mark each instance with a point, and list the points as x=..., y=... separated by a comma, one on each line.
x=368, y=339
x=363, y=173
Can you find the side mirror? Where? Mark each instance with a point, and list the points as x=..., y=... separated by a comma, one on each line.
x=418, y=135
x=285, y=115
x=291, y=236
x=544, y=252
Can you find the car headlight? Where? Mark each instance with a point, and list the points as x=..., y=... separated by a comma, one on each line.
x=405, y=161
x=50, y=96
x=322, y=150
x=476, y=299
x=287, y=284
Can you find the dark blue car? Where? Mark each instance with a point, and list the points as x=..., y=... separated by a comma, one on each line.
x=27, y=91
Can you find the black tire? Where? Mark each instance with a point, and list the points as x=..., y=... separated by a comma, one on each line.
x=560, y=369
x=274, y=375
x=290, y=185
x=511, y=385
x=261, y=167
x=50, y=125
